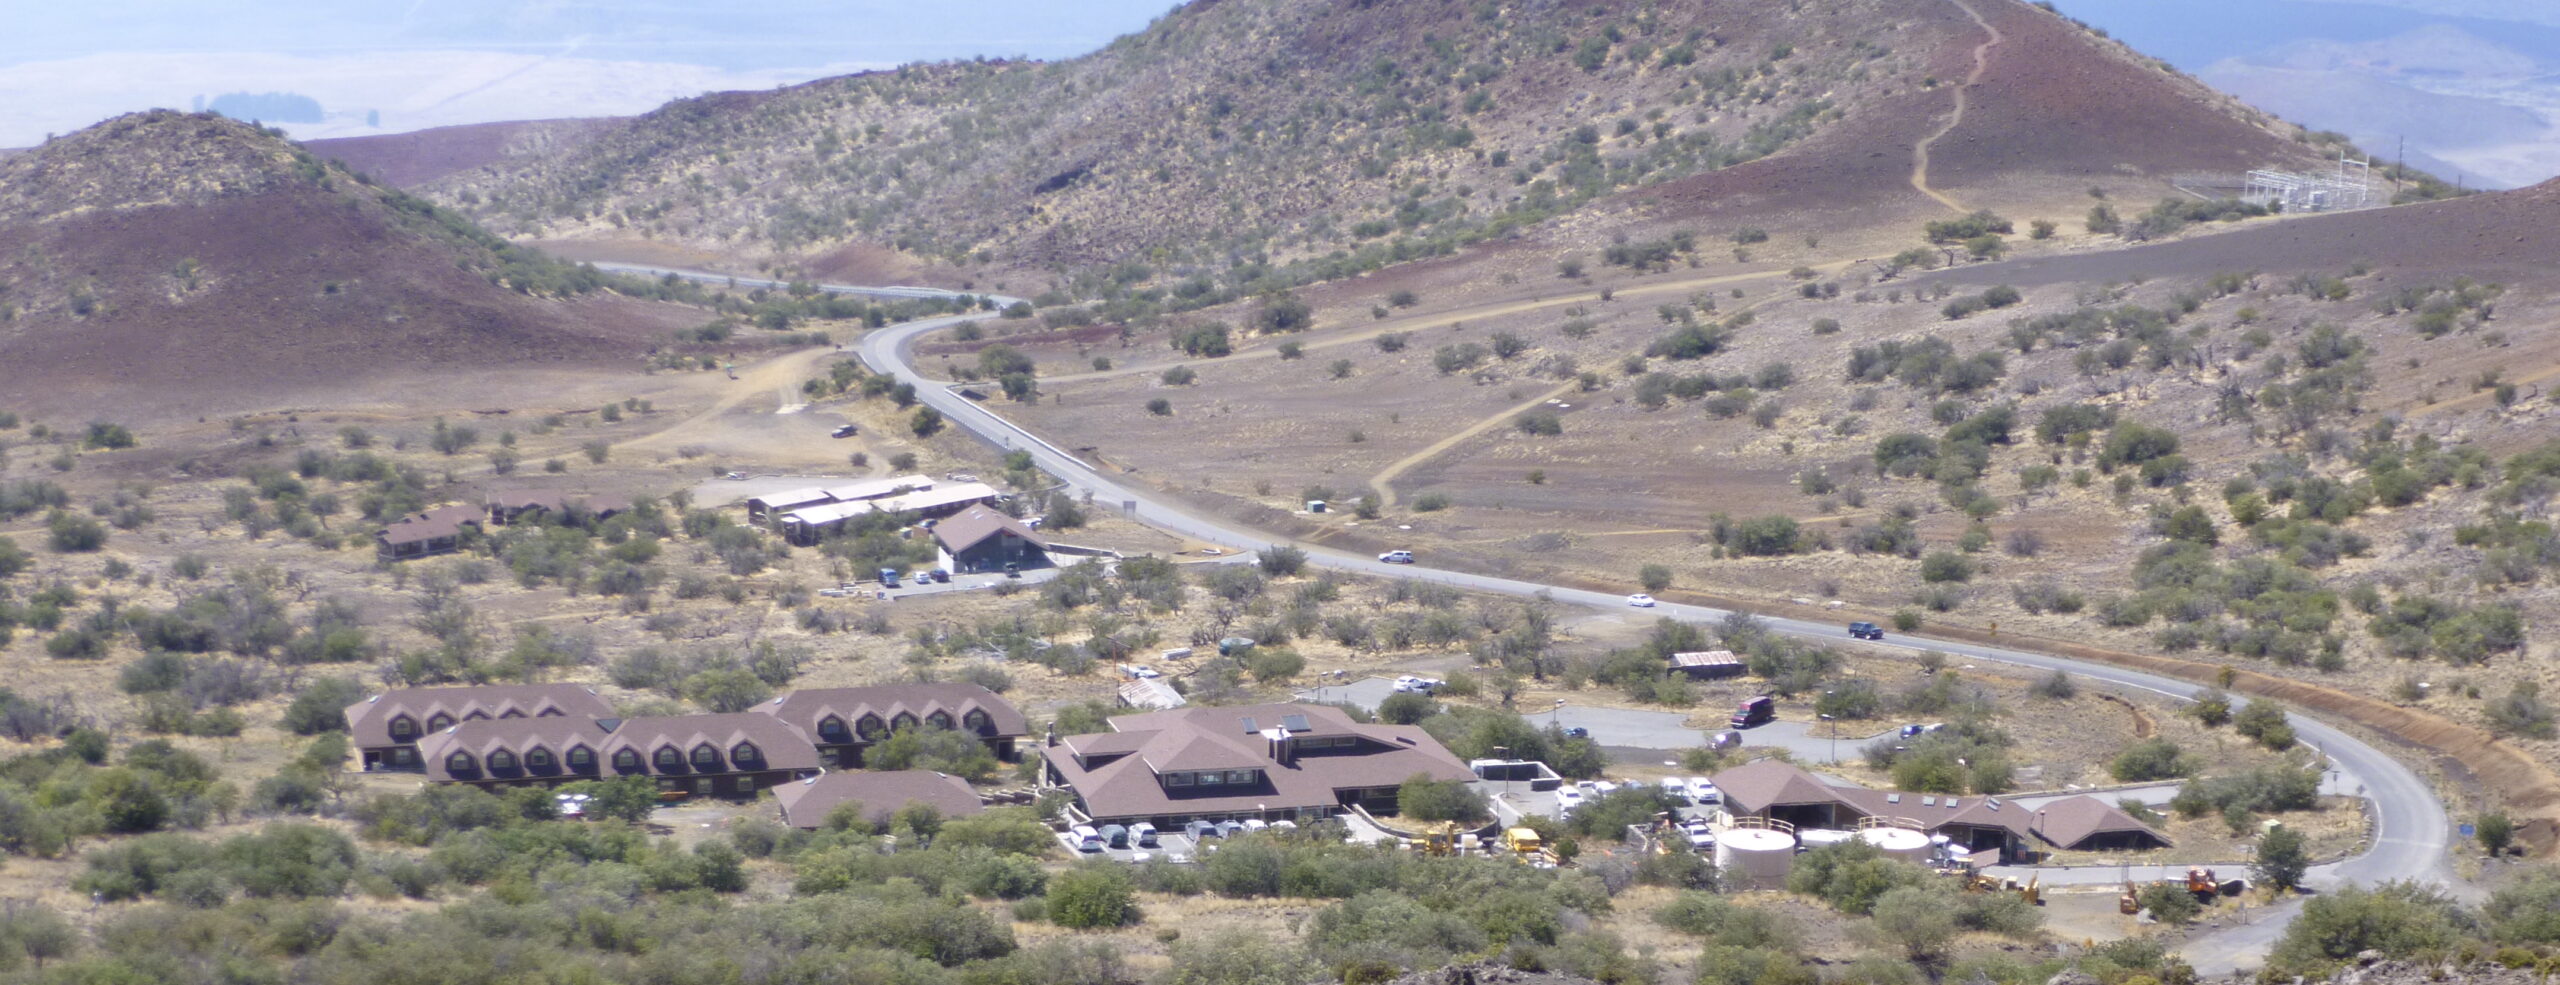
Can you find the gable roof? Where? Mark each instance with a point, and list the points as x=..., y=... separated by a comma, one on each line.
x=1705, y=658
x=806, y=803
x=1758, y=786
x=978, y=524
x=778, y=745
x=1206, y=738
x=2072, y=820
x=369, y=720
x=554, y=500
x=804, y=709
x=1151, y=692
x=435, y=524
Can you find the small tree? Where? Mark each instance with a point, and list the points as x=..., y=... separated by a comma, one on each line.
x=2212, y=708
x=2059, y=686
x=1422, y=798
x=1281, y=560
x=2169, y=903
x=727, y=691
x=926, y=422
x=1654, y=577
x=2282, y=860
x=1160, y=407
x=2495, y=831
x=1921, y=918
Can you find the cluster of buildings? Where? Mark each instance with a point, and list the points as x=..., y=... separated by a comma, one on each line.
x=1270, y=762
x=1772, y=790
x=805, y=515
x=440, y=530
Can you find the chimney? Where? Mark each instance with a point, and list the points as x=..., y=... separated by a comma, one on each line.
x=1052, y=738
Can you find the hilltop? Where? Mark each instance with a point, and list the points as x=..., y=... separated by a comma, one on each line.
x=404, y=160
x=1239, y=145
x=175, y=264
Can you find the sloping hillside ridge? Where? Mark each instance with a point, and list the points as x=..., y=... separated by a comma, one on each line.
x=1229, y=139
x=174, y=263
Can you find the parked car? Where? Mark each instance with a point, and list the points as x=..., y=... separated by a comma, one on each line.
x=1397, y=557
x=1012, y=570
x=888, y=577
x=1755, y=711
x=1640, y=600
x=1144, y=673
x=1703, y=792
x=1087, y=839
x=1727, y=739
x=844, y=431
x=1577, y=732
x=1916, y=731
x=1568, y=798
x=941, y=575
x=1143, y=834
x=1863, y=630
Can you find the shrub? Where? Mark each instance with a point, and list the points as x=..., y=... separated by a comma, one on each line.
x=321, y=706
x=2150, y=759
x=1539, y=422
x=1654, y=577
x=2169, y=902
x=72, y=533
x=1422, y=798
x=1093, y=896
x=2058, y=686
x=1160, y=407
x=1944, y=566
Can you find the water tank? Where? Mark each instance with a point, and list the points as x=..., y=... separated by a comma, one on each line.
x=1754, y=858
x=1900, y=843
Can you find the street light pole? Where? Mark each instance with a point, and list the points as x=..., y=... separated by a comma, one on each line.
x=1835, y=739
x=1552, y=715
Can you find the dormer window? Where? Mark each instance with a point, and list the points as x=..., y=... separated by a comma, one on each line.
x=582, y=759
x=404, y=728
x=549, y=712
x=538, y=759
x=439, y=722
x=870, y=729
x=459, y=762
x=669, y=760
x=831, y=729
x=979, y=721
x=626, y=761
x=940, y=719
x=745, y=752
x=706, y=758
x=903, y=720
x=475, y=715
x=512, y=713
x=502, y=760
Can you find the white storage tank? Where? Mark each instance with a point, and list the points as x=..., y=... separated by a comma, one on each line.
x=1754, y=858
x=1899, y=843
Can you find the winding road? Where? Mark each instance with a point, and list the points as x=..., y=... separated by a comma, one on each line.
x=2411, y=836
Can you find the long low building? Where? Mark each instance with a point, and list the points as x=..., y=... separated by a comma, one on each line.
x=1780, y=791
x=809, y=524
x=1280, y=761
x=844, y=721
x=386, y=728
x=733, y=755
x=765, y=509
x=806, y=803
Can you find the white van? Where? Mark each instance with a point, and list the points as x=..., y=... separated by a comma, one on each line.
x=1086, y=838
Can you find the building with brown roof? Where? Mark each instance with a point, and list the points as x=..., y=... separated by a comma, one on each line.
x=1274, y=761
x=807, y=802
x=507, y=506
x=2087, y=824
x=731, y=755
x=981, y=539
x=843, y=721
x=386, y=728
x=436, y=531
x=1780, y=791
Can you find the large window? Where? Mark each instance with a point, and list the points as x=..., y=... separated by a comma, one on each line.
x=404, y=728
x=903, y=720
x=459, y=762
x=705, y=758
x=940, y=719
x=440, y=722
x=502, y=760
x=581, y=759
x=979, y=721
x=1240, y=776
x=626, y=760
x=669, y=760
x=831, y=729
x=745, y=752
x=539, y=759
x=870, y=728
x=1177, y=779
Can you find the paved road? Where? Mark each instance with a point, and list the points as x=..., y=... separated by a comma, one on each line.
x=2412, y=833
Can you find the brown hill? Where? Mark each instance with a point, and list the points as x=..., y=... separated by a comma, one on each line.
x=408, y=160
x=2511, y=237
x=166, y=264
x=1246, y=143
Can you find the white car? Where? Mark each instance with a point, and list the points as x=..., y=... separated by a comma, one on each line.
x=1144, y=673
x=1603, y=787
x=1702, y=791
x=1568, y=798
x=1640, y=600
x=1397, y=557
x=1701, y=837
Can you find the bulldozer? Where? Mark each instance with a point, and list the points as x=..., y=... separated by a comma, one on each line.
x=2130, y=902
x=2031, y=890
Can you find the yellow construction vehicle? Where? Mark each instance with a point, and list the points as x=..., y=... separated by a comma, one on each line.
x=1523, y=840
x=2202, y=885
x=2131, y=902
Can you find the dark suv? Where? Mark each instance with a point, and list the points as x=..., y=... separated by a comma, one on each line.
x=1865, y=631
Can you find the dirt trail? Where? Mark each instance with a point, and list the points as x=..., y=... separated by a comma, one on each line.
x=780, y=376
x=1413, y=322
x=1384, y=481
x=1981, y=64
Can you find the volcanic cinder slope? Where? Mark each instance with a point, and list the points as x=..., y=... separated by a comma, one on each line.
x=165, y=264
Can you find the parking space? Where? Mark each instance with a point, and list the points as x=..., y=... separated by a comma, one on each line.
x=1170, y=847
x=1364, y=693
x=908, y=588
x=1513, y=800
x=1798, y=738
